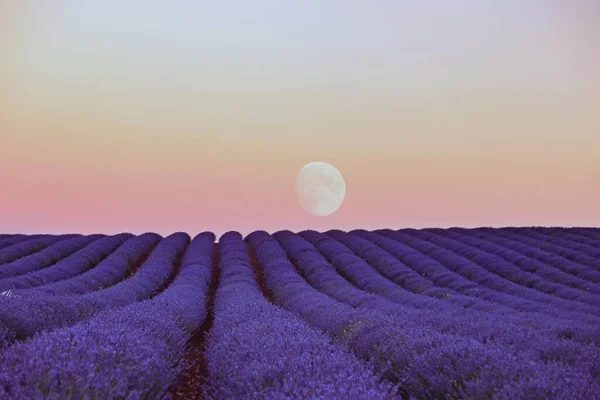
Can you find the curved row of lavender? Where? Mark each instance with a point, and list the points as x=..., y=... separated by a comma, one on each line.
x=510, y=313
x=564, y=241
x=9, y=240
x=282, y=356
x=20, y=314
x=62, y=268
x=127, y=352
x=427, y=363
x=106, y=273
x=433, y=275
x=436, y=313
x=29, y=246
x=48, y=256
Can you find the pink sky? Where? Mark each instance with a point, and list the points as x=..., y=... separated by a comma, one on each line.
x=136, y=116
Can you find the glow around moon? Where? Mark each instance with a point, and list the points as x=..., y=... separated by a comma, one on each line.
x=320, y=188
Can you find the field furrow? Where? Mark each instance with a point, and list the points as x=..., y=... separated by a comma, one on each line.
x=192, y=370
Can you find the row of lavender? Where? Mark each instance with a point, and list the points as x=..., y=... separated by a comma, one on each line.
x=110, y=351
x=133, y=351
x=390, y=298
x=428, y=353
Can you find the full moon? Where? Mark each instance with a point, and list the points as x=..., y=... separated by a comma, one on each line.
x=320, y=188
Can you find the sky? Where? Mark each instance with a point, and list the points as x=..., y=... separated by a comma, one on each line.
x=123, y=115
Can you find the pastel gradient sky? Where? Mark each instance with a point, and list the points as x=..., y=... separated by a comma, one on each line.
x=122, y=115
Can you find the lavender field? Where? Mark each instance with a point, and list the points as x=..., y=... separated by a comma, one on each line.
x=487, y=313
